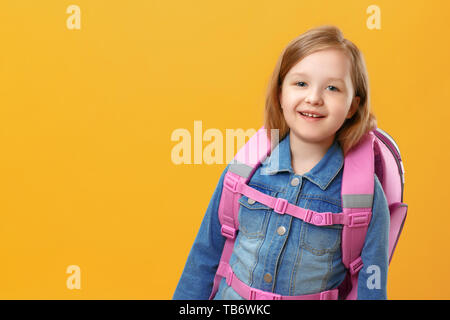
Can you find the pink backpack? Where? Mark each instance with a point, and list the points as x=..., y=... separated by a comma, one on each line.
x=376, y=153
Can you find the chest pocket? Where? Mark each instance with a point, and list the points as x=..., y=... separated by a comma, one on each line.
x=254, y=216
x=321, y=240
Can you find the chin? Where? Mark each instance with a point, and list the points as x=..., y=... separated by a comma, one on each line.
x=311, y=138
x=308, y=137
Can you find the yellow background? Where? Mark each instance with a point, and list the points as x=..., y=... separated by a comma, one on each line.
x=86, y=118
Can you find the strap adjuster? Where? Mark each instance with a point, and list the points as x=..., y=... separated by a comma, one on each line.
x=256, y=294
x=329, y=295
x=231, y=183
x=228, y=232
x=280, y=206
x=229, y=277
x=355, y=266
x=360, y=219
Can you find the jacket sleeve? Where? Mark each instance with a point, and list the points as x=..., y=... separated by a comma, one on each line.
x=372, y=279
x=198, y=275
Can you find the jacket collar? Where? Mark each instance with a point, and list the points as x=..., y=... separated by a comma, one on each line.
x=323, y=172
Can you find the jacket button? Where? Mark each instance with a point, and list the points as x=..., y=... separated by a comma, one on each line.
x=295, y=182
x=251, y=201
x=268, y=277
x=281, y=230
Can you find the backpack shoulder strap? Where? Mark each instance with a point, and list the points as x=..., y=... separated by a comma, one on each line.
x=241, y=169
x=357, y=198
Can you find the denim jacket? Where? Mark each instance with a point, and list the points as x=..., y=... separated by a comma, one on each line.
x=281, y=253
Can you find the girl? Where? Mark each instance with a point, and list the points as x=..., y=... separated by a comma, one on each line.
x=318, y=100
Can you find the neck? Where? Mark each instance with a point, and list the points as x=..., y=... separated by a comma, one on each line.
x=306, y=154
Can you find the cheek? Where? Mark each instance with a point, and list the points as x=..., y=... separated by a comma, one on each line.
x=340, y=113
x=289, y=99
x=338, y=104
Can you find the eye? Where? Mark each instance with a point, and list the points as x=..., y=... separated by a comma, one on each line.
x=333, y=87
x=299, y=82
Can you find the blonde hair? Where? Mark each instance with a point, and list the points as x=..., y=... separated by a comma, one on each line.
x=313, y=40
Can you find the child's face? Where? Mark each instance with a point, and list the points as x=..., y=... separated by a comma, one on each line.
x=312, y=91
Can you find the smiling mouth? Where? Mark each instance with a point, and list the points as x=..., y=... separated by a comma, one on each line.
x=310, y=115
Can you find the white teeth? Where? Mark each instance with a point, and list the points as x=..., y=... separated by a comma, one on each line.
x=310, y=115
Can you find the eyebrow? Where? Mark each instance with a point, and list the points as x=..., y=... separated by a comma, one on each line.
x=304, y=74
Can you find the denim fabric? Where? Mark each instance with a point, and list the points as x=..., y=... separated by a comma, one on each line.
x=304, y=259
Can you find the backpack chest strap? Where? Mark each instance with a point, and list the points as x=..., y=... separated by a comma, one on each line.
x=282, y=206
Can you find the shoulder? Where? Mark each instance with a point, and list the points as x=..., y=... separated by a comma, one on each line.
x=377, y=182
x=378, y=191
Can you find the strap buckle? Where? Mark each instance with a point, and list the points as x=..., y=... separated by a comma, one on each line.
x=308, y=216
x=322, y=219
x=280, y=206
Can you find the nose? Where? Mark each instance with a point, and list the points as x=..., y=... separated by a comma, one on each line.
x=314, y=98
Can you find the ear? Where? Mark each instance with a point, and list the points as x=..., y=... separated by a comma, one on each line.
x=353, y=107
